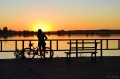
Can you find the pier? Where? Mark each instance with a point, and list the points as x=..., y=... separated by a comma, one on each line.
x=106, y=68
x=56, y=68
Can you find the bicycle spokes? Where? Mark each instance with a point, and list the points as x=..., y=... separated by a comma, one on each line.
x=48, y=53
x=28, y=53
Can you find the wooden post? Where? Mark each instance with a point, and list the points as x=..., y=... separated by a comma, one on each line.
x=50, y=48
x=15, y=44
x=57, y=44
x=70, y=53
x=22, y=44
x=118, y=44
x=76, y=48
x=95, y=51
x=1, y=45
x=70, y=45
x=107, y=43
x=23, y=48
x=101, y=50
x=95, y=42
x=82, y=44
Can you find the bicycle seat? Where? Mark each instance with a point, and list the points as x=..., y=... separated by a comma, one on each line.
x=31, y=44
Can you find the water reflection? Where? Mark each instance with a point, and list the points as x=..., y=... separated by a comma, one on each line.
x=66, y=36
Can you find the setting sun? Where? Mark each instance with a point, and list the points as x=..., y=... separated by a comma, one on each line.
x=44, y=27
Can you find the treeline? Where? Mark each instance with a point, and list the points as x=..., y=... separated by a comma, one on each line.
x=5, y=32
x=98, y=32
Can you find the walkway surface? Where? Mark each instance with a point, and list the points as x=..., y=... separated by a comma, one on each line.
x=105, y=68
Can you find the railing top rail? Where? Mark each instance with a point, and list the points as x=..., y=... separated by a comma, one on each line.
x=52, y=39
x=82, y=42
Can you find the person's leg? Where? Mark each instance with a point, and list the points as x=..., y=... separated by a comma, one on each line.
x=44, y=49
x=40, y=49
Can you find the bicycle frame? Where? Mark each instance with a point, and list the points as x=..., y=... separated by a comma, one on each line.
x=31, y=51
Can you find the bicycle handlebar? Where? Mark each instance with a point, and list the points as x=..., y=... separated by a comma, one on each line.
x=31, y=44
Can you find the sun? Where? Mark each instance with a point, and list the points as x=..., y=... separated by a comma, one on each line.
x=44, y=27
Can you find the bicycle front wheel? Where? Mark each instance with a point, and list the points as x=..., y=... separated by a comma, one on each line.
x=29, y=53
x=48, y=53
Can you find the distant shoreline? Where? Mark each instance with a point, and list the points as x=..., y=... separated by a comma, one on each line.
x=5, y=33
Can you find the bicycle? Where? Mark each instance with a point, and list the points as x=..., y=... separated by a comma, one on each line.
x=31, y=51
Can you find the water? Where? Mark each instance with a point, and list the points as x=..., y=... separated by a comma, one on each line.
x=10, y=45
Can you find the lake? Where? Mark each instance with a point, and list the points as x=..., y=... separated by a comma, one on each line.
x=10, y=45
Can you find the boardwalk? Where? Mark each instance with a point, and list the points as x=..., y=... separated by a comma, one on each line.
x=105, y=68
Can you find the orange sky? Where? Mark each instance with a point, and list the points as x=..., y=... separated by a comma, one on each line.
x=59, y=14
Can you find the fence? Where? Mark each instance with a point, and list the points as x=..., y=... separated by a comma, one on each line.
x=55, y=44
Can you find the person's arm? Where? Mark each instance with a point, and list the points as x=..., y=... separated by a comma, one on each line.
x=46, y=37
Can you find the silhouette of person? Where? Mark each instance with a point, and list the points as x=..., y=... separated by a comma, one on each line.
x=41, y=40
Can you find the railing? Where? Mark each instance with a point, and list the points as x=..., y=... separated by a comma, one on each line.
x=104, y=44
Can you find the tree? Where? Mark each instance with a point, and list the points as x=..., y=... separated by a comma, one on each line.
x=5, y=29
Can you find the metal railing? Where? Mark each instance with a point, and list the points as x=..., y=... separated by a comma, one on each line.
x=104, y=44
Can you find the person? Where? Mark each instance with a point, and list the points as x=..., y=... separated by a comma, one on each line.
x=41, y=41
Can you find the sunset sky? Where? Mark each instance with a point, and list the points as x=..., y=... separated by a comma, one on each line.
x=60, y=14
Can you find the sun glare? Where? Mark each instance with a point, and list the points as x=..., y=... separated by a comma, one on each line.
x=44, y=27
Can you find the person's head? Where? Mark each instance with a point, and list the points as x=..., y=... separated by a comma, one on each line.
x=39, y=31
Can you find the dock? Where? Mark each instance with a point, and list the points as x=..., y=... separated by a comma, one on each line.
x=57, y=68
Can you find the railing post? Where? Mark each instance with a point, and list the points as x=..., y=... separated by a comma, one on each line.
x=23, y=48
x=107, y=43
x=101, y=50
x=70, y=51
x=15, y=44
x=82, y=44
x=50, y=47
x=95, y=43
x=70, y=45
x=76, y=48
x=57, y=44
x=118, y=44
x=1, y=44
x=22, y=44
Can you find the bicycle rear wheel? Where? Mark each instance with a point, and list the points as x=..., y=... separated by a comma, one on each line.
x=29, y=53
x=48, y=53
